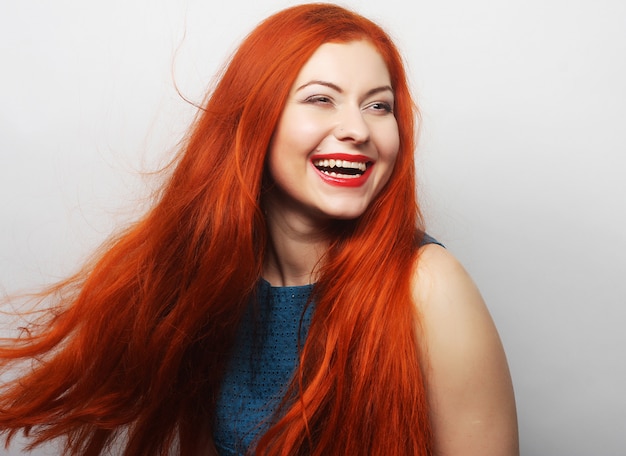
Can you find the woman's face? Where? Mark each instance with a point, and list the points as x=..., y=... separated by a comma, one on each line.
x=336, y=142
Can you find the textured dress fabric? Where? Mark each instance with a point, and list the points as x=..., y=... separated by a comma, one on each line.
x=263, y=361
x=262, y=364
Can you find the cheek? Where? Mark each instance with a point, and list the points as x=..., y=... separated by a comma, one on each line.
x=285, y=155
x=389, y=143
x=388, y=148
x=279, y=146
x=274, y=161
x=285, y=140
x=295, y=138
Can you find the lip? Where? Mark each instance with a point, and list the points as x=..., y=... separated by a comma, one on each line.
x=339, y=181
x=340, y=156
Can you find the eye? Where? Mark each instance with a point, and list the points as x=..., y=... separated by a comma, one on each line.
x=381, y=106
x=319, y=100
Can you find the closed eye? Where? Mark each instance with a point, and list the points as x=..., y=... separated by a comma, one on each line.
x=318, y=99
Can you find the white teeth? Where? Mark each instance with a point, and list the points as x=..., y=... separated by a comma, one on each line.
x=341, y=176
x=331, y=163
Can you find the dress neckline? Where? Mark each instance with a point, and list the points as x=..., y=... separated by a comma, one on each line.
x=264, y=284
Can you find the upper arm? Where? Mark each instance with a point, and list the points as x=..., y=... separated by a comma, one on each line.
x=467, y=376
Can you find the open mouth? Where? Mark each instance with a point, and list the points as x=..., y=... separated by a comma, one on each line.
x=343, y=169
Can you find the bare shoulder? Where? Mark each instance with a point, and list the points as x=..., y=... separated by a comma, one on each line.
x=468, y=380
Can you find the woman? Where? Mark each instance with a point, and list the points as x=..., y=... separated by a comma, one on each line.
x=296, y=183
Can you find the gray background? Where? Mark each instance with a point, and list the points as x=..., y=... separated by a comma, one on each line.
x=521, y=163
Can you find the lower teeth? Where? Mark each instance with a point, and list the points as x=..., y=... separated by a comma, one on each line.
x=342, y=176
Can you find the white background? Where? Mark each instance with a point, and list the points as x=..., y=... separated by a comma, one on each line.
x=521, y=162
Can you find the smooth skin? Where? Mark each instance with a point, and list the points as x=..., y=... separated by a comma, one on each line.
x=470, y=388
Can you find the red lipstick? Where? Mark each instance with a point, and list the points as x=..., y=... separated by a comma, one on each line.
x=342, y=170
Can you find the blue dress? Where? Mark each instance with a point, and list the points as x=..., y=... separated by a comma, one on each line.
x=264, y=359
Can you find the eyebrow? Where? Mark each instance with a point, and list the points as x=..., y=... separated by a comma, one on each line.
x=335, y=87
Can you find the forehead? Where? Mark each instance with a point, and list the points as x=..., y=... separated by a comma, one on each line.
x=355, y=62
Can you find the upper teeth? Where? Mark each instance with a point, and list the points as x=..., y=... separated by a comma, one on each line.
x=332, y=163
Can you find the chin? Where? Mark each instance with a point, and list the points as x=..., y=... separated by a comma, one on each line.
x=345, y=213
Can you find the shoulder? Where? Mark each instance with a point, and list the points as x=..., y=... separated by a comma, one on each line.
x=441, y=283
x=467, y=376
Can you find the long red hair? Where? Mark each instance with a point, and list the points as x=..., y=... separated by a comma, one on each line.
x=133, y=350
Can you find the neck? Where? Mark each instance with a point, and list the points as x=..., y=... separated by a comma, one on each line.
x=296, y=246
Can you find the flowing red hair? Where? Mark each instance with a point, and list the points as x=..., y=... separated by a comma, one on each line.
x=133, y=350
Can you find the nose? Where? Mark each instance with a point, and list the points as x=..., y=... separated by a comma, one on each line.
x=352, y=127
